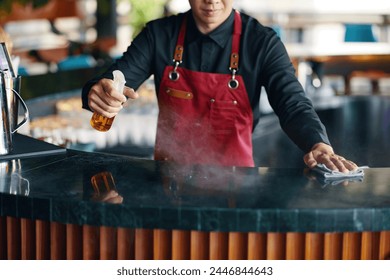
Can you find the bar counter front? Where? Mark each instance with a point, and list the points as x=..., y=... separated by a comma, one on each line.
x=188, y=212
x=61, y=206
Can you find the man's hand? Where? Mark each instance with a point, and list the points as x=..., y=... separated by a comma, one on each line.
x=323, y=153
x=104, y=99
x=110, y=197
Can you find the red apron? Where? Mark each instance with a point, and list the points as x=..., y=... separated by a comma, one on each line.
x=204, y=118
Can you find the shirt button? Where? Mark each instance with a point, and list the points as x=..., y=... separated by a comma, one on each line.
x=212, y=100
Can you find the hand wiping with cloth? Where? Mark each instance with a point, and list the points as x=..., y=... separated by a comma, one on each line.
x=322, y=157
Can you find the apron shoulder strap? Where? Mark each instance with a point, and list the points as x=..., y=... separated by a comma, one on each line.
x=234, y=57
x=178, y=55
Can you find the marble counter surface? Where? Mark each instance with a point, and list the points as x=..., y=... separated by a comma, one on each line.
x=163, y=195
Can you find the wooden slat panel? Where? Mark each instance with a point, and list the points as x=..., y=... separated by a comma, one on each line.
x=13, y=239
x=126, y=244
x=162, y=248
x=238, y=246
x=28, y=239
x=370, y=246
x=276, y=246
x=108, y=243
x=295, y=246
x=91, y=242
x=314, y=246
x=352, y=245
x=74, y=242
x=218, y=245
x=257, y=246
x=143, y=244
x=199, y=245
x=384, y=249
x=3, y=238
x=57, y=241
x=333, y=246
x=18, y=236
x=42, y=232
x=181, y=244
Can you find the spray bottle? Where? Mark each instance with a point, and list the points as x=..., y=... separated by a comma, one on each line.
x=102, y=123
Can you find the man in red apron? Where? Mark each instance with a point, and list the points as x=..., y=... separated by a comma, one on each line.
x=207, y=114
x=207, y=117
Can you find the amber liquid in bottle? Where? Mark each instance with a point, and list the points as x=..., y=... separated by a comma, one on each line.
x=103, y=182
x=102, y=123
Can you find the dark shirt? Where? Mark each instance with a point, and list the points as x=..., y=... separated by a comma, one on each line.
x=263, y=62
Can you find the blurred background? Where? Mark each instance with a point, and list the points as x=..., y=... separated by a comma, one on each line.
x=340, y=49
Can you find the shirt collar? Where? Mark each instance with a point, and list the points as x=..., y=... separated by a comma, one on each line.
x=220, y=35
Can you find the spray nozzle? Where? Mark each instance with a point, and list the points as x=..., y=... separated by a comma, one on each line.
x=119, y=80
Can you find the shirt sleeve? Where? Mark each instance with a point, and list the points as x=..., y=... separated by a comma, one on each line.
x=135, y=63
x=286, y=95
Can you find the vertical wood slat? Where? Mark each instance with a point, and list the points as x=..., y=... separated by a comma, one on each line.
x=143, y=244
x=42, y=232
x=13, y=238
x=199, y=245
x=91, y=242
x=27, y=228
x=351, y=245
x=333, y=246
x=370, y=246
x=276, y=246
x=74, y=242
x=3, y=238
x=257, y=246
x=314, y=246
x=108, y=243
x=384, y=248
x=238, y=245
x=57, y=241
x=162, y=244
x=181, y=245
x=295, y=246
x=218, y=245
x=126, y=244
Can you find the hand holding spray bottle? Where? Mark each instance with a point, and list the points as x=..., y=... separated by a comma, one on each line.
x=102, y=123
